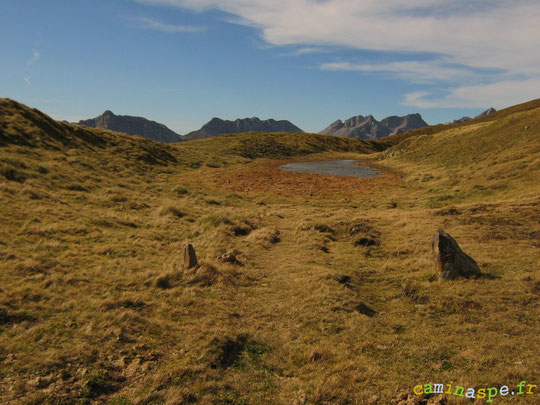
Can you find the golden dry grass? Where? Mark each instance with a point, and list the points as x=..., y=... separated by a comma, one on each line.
x=96, y=307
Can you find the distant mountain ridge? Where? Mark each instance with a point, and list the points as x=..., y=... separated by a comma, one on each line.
x=369, y=128
x=133, y=126
x=217, y=126
x=489, y=111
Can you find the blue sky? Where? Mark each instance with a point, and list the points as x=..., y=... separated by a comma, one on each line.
x=182, y=62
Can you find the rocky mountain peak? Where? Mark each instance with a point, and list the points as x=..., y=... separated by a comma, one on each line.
x=217, y=126
x=489, y=111
x=369, y=128
x=132, y=126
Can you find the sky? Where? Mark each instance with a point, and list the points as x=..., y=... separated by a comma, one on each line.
x=182, y=62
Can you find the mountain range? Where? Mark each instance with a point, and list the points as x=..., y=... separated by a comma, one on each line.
x=369, y=128
x=357, y=127
x=158, y=132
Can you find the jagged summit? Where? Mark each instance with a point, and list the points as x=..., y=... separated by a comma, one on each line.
x=489, y=111
x=217, y=126
x=369, y=128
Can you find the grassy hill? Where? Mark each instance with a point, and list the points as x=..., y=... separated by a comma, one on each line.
x=96, y=307
x=496, y=157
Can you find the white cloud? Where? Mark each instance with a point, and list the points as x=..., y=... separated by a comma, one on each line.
x=35, y=56
x=28, y=80
x=415, y=71
x=463, y=36
x=149, y=23
x=499, y=94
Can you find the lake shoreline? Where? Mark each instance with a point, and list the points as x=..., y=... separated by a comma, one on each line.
x=333, y=168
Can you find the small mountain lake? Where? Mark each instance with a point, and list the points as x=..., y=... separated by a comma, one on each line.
x=332, y=167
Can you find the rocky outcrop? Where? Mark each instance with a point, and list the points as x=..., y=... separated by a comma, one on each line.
x=369, y=128
x=217, y=126
x=450, y=261
x=133, y=126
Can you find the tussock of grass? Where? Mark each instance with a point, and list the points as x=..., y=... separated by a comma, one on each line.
x=228, y=223
x=204, y=275
x=164, y=281
x=265, y=237
x=212, y=273
x=170, y=211
x=12, y=174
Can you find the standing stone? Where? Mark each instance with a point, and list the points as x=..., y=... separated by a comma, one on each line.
x=190, y=258
x=450, y=261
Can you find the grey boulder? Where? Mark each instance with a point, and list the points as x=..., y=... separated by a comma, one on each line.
x=450, y=261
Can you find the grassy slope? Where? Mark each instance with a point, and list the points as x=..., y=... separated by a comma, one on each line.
x=95, y=304
x=496, y=158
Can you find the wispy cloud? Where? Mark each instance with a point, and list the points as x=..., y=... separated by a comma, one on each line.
x=501, y=36
x=414, y=71
x=309, y=50
x=498, y=94
x=416, y=98
x=28, y=80
x=149, y=23
x=35, y=56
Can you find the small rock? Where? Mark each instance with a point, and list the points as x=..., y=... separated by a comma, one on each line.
x=450, y=261
x=41, y=382
x=34, y=382
x=230, y=258
x=121, y=362
x=374, y=399
x=190, y=258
